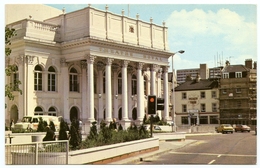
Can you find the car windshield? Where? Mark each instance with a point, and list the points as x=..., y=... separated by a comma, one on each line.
x=26, y=119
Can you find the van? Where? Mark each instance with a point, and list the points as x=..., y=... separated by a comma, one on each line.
x=35, y=121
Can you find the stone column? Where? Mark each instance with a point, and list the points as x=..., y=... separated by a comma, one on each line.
x=159, y=89
x=140, y=92
x=65, y=89
x=30, y=85
x=90, y=60
x=84, y=101
x=100, y=67
x=153, y=72
x=166, y=94
x=108, y=90
x=124, y=91
x=129, y=90
x=115, y=90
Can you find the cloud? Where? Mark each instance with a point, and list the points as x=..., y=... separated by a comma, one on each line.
x=223, y=30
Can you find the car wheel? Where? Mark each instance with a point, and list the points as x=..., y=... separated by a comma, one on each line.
x=248, y=131
x=232, y=132
x=242, y=131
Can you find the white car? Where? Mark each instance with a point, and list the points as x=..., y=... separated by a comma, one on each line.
x=35, y=122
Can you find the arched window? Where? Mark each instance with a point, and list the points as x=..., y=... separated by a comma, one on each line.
x=74, y=80
x=134, y=114
x=134, y=85
x=38, y=78
x=119, y=83
x=15, y=78
x=120, y=114
x=38, y=111
x=52, y=111
x=51, y=79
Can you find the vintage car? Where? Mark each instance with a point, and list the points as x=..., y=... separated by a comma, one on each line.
x=35, y=122
x=242, y=128
x=225, y=128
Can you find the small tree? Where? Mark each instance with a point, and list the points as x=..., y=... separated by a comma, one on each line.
x=41, y=125
x=75, y=138
x=52, y=126
x=63, y=128
x=93, y=134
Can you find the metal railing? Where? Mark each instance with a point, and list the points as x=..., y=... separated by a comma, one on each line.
x=38, y=153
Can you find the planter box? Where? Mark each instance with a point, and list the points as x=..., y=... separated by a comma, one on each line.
x=110, y=153
x=96, y=155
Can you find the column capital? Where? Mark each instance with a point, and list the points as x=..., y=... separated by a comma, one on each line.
x=83, y=64
x=154, y=67
x=165, y=69
x=90, y=59
x=20, y=59
x=109, y=61
x=63, y=62
x=140, y=65
x=29, y=59
x=125, y=63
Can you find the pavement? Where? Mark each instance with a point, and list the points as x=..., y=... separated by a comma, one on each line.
x=164, y=146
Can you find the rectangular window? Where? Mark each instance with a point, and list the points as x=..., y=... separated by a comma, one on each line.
x=184, y=96
x=238, y=74
x=202, y=107
x=225, y=75
x=203, y=119
x=213, y=94
x=184, y=108
x=238, y=90
x=213, y=119
x=202, y=95
x=239, y=103
x=214, y=107
x=184, y=120
x=224, y=91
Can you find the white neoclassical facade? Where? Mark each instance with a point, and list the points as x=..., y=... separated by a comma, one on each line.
x=89, y=64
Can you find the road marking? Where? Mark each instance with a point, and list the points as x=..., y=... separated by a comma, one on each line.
x=211, y=161
x=211, y=154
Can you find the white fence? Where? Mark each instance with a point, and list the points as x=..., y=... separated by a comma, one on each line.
x=39, y=153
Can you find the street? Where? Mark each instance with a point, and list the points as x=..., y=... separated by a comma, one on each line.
x=223, y=149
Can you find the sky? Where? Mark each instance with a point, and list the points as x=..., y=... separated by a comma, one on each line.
x=208, y=33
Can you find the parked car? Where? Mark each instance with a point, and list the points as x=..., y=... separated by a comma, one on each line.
x=35, y=121
x=242, y=128
x=225, y=128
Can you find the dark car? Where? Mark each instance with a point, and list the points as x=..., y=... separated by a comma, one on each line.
x=242, y=128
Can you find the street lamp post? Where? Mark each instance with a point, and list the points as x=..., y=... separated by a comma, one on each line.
x=173, y=92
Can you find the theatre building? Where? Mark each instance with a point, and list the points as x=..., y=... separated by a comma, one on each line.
x=89, y=64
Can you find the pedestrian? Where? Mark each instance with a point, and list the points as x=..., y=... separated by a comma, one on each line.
x=12, y=124
x=50, y=135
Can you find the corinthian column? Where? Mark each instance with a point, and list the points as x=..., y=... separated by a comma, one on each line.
x=90, y=60
x=153, y=72
x=124, y=91
x=108, y=90
x=166, y=93
x=140, y=92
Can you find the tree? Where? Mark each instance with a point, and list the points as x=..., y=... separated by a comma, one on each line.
x=10, y=69
x=75, y=138
x=63, y=128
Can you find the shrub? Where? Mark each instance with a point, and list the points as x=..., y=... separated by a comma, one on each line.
x=75, y=136
x=63, y=128
x=41, y=125
x=52, y=126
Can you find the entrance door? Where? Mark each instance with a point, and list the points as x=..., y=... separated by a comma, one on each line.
x=74, y=113
x=14, y=113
